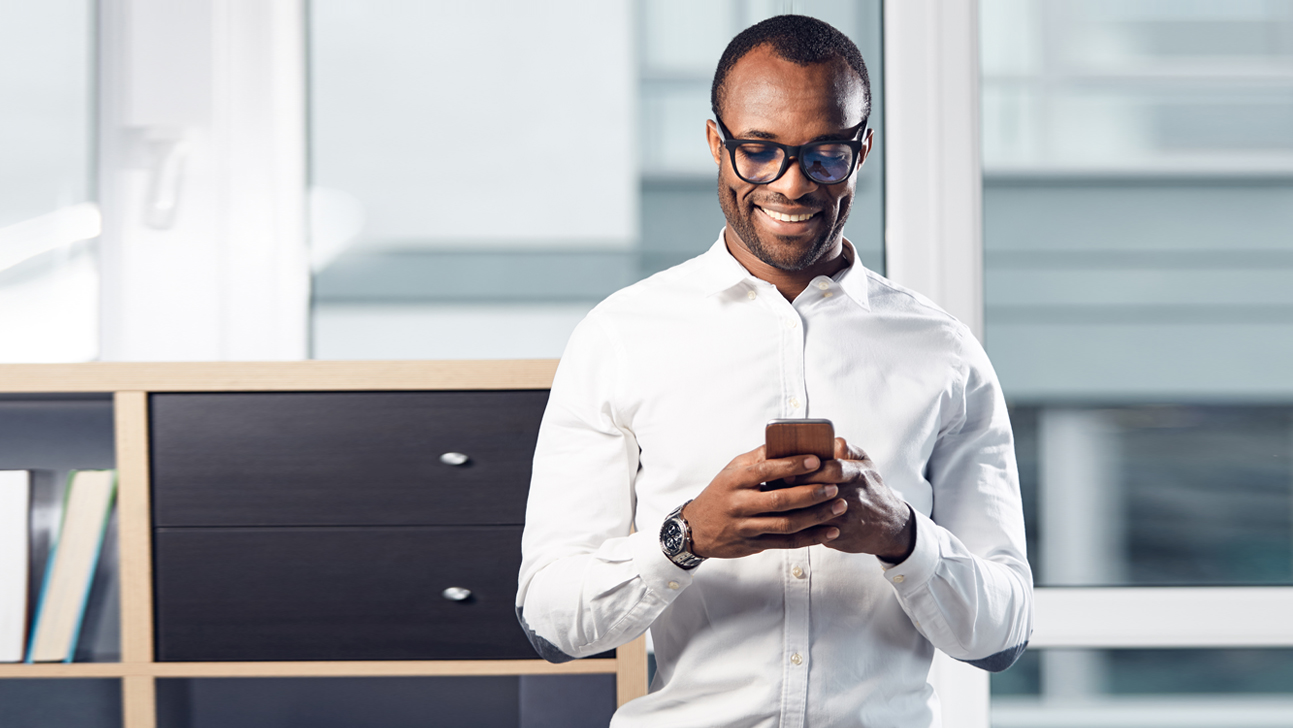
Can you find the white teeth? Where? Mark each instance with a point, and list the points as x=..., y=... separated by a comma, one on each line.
x=786, y=218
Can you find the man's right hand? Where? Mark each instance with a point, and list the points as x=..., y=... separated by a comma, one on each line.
x=733, y=517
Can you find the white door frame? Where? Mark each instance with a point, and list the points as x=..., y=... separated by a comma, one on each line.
x=202, y=180
x=933, y=208
x=933, y=171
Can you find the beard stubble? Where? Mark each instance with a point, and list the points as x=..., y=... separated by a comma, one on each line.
x=743, y=226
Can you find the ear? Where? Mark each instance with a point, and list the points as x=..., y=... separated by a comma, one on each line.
x=715, y=141
x=866, y=146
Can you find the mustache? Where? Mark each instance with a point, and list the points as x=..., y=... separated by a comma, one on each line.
x=776, y=198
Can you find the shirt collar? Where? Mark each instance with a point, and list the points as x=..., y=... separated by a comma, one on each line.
x=855, y=279
x=720, y=271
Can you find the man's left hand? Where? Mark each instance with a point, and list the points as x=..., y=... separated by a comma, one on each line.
x=877, y=521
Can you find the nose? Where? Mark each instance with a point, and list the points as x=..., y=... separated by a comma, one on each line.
x=794, y=183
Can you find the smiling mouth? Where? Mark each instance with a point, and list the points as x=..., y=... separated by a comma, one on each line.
x=783, y=217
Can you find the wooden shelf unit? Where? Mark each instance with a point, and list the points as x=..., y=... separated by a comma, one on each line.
x=130, y=384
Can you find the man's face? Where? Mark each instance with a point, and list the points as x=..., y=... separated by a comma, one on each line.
x=770, y=98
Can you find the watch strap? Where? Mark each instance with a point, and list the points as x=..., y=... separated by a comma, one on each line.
x=683, y=557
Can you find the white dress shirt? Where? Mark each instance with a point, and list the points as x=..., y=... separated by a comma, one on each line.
x=669, y=379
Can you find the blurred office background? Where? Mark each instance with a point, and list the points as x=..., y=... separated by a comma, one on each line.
x=1138, y=243
x=428, y=180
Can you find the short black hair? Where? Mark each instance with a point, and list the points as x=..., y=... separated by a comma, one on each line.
x=798, y=39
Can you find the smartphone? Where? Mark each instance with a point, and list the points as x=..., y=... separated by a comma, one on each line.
x=785, y=438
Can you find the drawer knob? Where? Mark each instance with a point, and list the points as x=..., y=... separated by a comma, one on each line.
x=456, y=594
x=454, y=458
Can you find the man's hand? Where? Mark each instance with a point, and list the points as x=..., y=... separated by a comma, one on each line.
x=877, y=520
x=732, y=517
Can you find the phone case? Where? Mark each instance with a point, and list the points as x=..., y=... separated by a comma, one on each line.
x=800, y=437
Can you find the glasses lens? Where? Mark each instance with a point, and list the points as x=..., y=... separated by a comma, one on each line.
x=758, y=162
x=828, y=163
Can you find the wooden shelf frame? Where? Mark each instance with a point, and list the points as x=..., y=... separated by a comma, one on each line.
x=305, y=376
x=130, y=384
x=347, y=668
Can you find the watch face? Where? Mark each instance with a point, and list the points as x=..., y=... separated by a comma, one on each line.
x=671, y=536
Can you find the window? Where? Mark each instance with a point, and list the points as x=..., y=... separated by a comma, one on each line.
x=469, y=204
x=1138, y=183
x=49, y=272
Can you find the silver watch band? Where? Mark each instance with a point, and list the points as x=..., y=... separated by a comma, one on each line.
x=675, y=540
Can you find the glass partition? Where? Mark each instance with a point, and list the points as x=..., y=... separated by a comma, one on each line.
x=49, y=274
x=1138, y=280
x=1157, y=495
x=483, y=174
x=1140, y=294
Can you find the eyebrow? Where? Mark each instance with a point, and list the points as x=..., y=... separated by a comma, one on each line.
x=836, y=136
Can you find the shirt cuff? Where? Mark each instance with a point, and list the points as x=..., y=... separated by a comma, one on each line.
x=659, y=573
x=912, y=574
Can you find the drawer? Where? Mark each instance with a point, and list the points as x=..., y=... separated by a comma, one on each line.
x=342, y=458
x=337, y=593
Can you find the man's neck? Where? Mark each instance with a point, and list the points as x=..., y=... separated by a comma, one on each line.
x=789, y=283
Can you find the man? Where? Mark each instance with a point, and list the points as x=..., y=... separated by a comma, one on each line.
x=819, y=604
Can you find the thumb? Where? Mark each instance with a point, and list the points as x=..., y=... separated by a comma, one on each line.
x=845, y=451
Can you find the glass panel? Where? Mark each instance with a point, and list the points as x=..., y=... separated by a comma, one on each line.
x=1180, y=495
x=421, y=250
x=1138, y=85
x=1138, y=198
x=1214, y=688
x=49, y=274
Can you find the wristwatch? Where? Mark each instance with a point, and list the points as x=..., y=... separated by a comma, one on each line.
x=675, y=540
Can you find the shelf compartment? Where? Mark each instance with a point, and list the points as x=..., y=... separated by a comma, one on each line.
x=79, y=703
x=570, y=701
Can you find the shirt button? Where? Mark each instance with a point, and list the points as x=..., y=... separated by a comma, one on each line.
x=827, y=294
x=823, y=285
x=798, y=572
x=751, y=295
x=899, y=579
x=794, y=403
x=673, y=585
x=795, y=659
x=792, y=323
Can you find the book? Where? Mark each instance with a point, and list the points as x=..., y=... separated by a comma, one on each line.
x=100, y=639
x=15, y=507
x=48, y=488
x=71, y=566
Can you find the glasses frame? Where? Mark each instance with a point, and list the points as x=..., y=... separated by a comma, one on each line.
x=793, y=152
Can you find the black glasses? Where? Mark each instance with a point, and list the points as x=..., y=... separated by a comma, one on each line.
x=759, y=162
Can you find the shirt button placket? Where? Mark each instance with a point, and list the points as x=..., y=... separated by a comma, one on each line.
x=796, y=402
x=797, y=617
x=798, y=627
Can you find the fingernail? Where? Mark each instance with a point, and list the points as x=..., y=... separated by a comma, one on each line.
x=811, y=462
x=832, y=534
x=839, y=507
x=829, y=491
